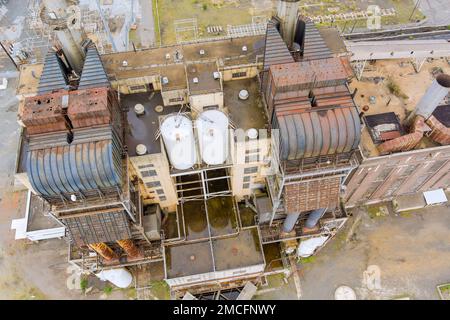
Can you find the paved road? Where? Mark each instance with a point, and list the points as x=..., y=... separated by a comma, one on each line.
x=147, y=27
x=437, y=11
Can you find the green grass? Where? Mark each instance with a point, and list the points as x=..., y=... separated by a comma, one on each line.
x=395, y=89
x=160, y=289
x=307, y=260
x=107, y=290
x=156, y=16
x=83, y=284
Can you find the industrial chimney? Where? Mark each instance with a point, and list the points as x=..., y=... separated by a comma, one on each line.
x=435, y=94
x=287, y=13
x=59, y=15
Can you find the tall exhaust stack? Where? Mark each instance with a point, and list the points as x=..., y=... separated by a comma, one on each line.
x=435, y=94
x=58, y=16
x=287, y=12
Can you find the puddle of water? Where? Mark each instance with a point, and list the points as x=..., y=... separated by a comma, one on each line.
x=222, y=216
x=195, y=220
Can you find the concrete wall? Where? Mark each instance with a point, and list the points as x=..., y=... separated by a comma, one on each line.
x=156, y=163
x=383, y=178
x=250, y=72
x=174, y=94
x=131, y=85
x=199, y=101
x=249, y=168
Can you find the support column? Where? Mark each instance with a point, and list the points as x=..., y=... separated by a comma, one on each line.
x=290, y=221
x=314, y=218
x=104, y=250
x=130, y=248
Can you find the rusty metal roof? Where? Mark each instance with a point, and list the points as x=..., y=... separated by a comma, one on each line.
x=317, y=133
x=314, y=47
x=93, y=74
x=276, y=50
x=92, y=162
x=104, y=226
x=52, y=77
x=309, y=74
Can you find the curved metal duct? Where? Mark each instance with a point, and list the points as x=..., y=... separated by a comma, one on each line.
x=74, y=168
x=406, y=142
x=440, y=133
x=319, y=133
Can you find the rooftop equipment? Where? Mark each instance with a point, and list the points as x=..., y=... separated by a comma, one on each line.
x=212, y=129
x=178, y=138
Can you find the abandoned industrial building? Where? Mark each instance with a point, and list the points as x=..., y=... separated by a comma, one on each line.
x=214, y=160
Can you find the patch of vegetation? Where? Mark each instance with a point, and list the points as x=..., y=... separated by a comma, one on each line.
x=107, y=289
x=306, y=260
x=205, y=7
x=83, y=284
x=160, y=289
x=395, y=89
x=131, y=293
x=377, y=211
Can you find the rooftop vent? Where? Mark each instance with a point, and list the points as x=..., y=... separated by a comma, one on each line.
x=243, y=94
x=195, y=80
x=244, y=48
x=165, y=80
x=202, y=52
x=141, y=149
x=216, y=75
x=124, y=63
x=139, y=109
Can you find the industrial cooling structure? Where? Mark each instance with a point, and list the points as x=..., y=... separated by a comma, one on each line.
x=209, y=162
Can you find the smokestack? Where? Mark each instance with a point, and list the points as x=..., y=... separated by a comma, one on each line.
x=287, y=12
x=58, y=16
x=435, y=94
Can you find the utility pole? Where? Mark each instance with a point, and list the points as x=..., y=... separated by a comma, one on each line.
x=415, y=8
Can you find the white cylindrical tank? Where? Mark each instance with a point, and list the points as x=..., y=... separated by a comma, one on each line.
x=119, y=277
x=212, y=129
x=178, y=137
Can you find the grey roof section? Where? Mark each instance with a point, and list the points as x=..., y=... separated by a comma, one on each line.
x=276, y=51
x=319, y=133
x=52, y=77
x=314, y=47
x=93, y=74
x=91, y=162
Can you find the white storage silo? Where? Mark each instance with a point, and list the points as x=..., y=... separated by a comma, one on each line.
x=212, y=129
x=178, y=137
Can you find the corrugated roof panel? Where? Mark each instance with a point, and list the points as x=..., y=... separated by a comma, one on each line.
x=314, y=47
x=276, y=50
x=93, y=74
x=52, y=77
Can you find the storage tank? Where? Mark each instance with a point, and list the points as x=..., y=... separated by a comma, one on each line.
x=212, y=129
x=178, y=137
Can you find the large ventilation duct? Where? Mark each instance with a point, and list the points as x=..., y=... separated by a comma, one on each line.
x=435, y=94
x=314, y=218
x=287, y=13
x=104, y=250
x=63, y=17
x=406, y=142
x=130, y=248
x=290, y=221
x=439, y=132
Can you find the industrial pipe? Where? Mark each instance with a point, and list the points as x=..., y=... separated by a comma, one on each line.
x=130, y=248
x=287, y=12
x=439, y=132
x=314, y=218
x=104, y=250
x=290, y=221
